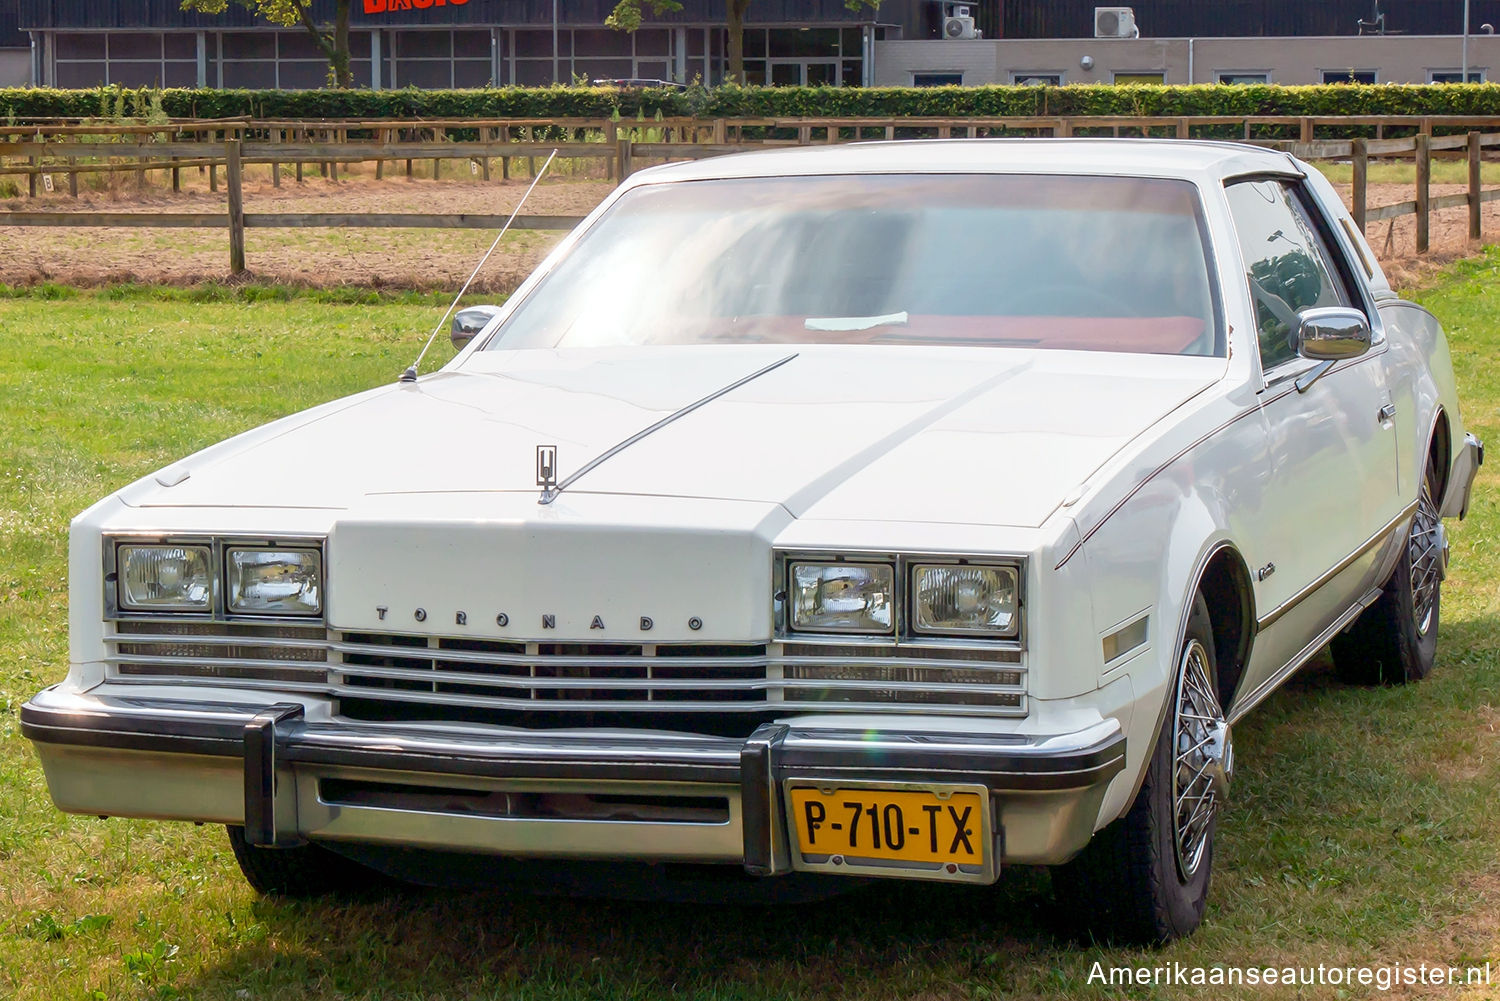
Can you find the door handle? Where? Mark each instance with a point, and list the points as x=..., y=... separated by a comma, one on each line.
x=1387, y=413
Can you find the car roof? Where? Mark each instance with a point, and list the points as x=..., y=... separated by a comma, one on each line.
x=1202, y=160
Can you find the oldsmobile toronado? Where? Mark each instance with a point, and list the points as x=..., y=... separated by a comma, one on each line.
x=905, y=510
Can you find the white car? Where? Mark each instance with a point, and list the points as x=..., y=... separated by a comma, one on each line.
x=907, y=510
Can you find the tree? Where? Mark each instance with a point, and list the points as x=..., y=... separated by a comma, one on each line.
x=627, y=17
x=332, y=40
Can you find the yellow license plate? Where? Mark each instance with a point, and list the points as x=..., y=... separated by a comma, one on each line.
x=916, y=826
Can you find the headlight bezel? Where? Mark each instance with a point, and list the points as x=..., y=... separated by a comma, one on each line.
x=115, y=608
x=904, y=631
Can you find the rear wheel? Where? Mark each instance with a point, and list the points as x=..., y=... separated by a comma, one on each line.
x=1394, y=641
x=1144, y=879
x=301, y=871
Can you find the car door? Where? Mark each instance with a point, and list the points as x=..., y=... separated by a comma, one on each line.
x=1332, y=441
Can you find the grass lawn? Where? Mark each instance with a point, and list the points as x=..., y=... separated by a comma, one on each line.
x=1365, y=825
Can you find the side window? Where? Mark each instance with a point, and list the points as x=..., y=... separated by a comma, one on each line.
x=1288, y=264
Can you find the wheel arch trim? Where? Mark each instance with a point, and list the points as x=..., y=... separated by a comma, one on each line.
x=1211, y=551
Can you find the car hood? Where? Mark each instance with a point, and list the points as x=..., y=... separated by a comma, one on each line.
x=990, y=435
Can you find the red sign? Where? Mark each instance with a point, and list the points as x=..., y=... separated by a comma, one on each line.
x=395, y=6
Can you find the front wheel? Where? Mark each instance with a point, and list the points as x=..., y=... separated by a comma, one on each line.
x=1144, y=879
x=300, y=871
x=1394, y=641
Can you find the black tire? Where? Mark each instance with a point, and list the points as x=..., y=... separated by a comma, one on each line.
x=1394, y=641
x=1136, y=882
x=300, y=872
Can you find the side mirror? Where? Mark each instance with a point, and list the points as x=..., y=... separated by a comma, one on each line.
x=468, y=322
x=1332, y=333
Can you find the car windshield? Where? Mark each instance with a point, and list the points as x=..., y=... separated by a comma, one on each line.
x=1019, y=260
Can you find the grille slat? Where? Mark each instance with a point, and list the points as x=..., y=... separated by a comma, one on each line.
x=648, y=682
x=391, y=676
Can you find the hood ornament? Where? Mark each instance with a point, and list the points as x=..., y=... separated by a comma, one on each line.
x=546, y=471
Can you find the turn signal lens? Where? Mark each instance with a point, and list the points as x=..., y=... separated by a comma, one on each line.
x=165, y=578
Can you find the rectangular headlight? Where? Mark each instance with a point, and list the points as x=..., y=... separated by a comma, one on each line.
x=842, y=597
x=965, y=600
x=274, y=581
x=165, y=578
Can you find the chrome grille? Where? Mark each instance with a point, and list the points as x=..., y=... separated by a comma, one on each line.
x=396, y=676
x=205, y=650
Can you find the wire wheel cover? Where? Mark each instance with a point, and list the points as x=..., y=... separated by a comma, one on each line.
x=1425, y=550
x=1202, y=759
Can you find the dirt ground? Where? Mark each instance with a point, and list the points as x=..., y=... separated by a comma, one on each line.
x=425, y=259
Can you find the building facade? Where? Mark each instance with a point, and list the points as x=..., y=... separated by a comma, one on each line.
x=476, y=43
x=15, y=47
x=443, y=43
x=1288, y=61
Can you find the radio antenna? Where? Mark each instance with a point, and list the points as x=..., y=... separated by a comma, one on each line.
x=410, y=375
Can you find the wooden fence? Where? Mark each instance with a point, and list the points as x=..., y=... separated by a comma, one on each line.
x=46, y=151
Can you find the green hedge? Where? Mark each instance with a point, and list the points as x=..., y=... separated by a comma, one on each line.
x=21, y=104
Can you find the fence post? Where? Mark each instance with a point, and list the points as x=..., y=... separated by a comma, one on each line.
x=31, y=178
x=622, y=157
x=73, y=177
x=1424, y=185
x=1307, y=130
x=612, y=138
x=176, y=176
x=1475, y=189
x=1360, y=194
x=232, y=181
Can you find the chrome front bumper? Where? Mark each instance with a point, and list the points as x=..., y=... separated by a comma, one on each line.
x=1465, y=468
x=540, y=794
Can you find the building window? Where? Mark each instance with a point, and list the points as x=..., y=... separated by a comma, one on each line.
x=1350, y=76
x=440, y=60
x=280, y=60
x=596, y=54
x=1455, y=76
x=1028, y=78
x=1244, y=78
x=1148, y=78
x=937, y=79
x=811, y=57
x=132, y=59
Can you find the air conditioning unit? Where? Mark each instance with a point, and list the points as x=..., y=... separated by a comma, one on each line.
x=1115, y=22
x=959, y=25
